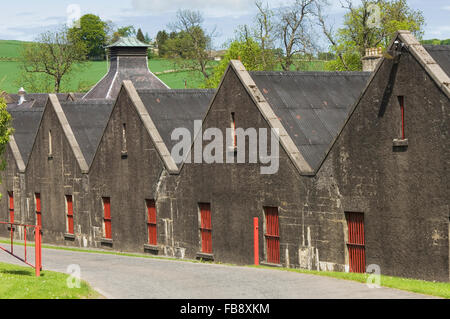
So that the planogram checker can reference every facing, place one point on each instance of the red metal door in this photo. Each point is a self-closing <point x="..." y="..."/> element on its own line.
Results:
<point x="38" y="210"/>
<point x="356" y="242"/>
<point x="206" y="228"/>
<point x="107" y="217"/>
<point x="151" y="222"/>
<point x="272" y="235"/>
<point x="69" y="214"/>
<point x="11" y="207"/>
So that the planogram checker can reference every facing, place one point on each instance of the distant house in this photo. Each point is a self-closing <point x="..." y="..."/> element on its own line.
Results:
<point x="217" y="55"/>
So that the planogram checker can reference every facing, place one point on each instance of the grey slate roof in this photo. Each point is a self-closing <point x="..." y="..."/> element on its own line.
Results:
<point x="25" y="121"/>
<point x="128" y="42"/>
<point x="88" y="120"/>
<point x="170" y="109"/>
<point x="312" y="106"/>
<point x="122" y="68"/>
<point x="34" y="99"/>
<point x="441" y="54"/>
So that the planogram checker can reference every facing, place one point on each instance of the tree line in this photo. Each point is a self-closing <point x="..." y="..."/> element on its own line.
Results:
<point x="277" y="39"/>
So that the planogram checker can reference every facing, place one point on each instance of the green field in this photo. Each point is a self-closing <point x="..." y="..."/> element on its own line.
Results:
<point x="18" y="282"/>
<point x="89" y="74"/>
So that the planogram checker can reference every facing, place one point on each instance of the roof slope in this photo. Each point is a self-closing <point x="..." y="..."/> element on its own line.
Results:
<point x="312" y="106"/>
<point x="33" y="99"/>
<point x="88" y="120"/>
<point x="25" y="121"/>
<point x="128" y="42"/>
<point x="441" y="54"/>
<point x="170" y="109"/>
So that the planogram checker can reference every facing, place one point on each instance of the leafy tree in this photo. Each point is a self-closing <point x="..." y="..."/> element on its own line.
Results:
<point x="265" y="33"/>
<point x="127" y="31"/>
<point x="54" y="54"/>
<point x="436" y="42"/>
<point x="140" y="36"/>
<point x="93" y="32"/>
<point x="5" y="130"/>
<point x="147" y="38"/>
<point x="161" y="39"/>
<point x="191" y="45"/>
<point x="247" y="50"/>
<point x="361" y="32"/>
<point x="295" y="31"/>
<point x="352" y="63"/>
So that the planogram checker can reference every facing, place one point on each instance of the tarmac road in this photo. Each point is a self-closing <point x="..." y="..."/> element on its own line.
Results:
<point x="152" y="278"/>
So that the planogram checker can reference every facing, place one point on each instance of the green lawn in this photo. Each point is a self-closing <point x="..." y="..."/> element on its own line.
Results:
<point x="88" y="75"/>
<point x="18" y="282"/>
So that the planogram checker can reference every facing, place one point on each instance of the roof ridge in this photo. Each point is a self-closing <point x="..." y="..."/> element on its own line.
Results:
<point x="312" y="73"/>
<point x="174" y="90"/>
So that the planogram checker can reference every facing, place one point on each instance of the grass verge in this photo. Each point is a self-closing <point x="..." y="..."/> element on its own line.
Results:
<point x="17" y="282"/>
<point x="437" y="289"/>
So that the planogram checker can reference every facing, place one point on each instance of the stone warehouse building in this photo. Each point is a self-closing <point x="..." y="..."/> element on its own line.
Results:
<point x="361" y="173"/>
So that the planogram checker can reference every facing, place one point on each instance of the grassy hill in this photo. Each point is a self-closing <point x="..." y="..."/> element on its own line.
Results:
<point x="89" y="74"/>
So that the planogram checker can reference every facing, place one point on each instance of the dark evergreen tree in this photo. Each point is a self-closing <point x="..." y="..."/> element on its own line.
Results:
<point x="140" y="35"/>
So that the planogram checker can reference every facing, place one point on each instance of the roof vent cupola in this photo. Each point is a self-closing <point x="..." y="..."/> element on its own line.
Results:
<point x="128" y="61"/>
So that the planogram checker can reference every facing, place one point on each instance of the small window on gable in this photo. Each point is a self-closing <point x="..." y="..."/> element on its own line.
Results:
<point x="233" y="129"/>
<point x="50" y="144"/>
<point x="124" y="141"/>
<point x="401" y="101"/>
<point x="124" y="137"/>
<point x="401" y="142"/>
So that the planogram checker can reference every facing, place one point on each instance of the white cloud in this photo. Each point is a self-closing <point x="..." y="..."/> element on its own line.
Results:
<point x="212" y="8"/>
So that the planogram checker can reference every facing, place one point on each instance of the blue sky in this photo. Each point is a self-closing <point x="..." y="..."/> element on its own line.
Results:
<point x="26" y="19"/>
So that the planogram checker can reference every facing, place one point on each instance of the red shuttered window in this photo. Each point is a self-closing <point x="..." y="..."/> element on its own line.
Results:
<point x="151" y="222"/>
<point x="272" y="235"/>
<point x="356" y="242"/>
<point x="37" y="201"/>
<point x="206" y="228"/>
<point x="11" y="206"/>
<point x="69" y="219"/>
<point x="107" y="218"/>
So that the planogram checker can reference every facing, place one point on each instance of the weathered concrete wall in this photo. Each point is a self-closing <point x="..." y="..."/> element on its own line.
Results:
<point x="54" y="177"/>
<point x="128" y="180"/>
<point x="11" y="179"/>
<point x="311" y="224"/>
<point x="402" y="191"/>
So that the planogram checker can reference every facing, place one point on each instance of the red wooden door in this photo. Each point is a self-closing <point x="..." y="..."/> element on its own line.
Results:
<point x="272" y="235"/>
<point x="107" y="217"/>
<point x="151" y="222"/>
<point x="356" y="242"/>
<point x="206" y="228"/>
<point x="11" y="207"/>
<point x="69" y="214"/>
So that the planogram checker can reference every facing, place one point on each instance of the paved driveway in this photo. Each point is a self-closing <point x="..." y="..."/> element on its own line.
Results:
<point x="134" y="277"/>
